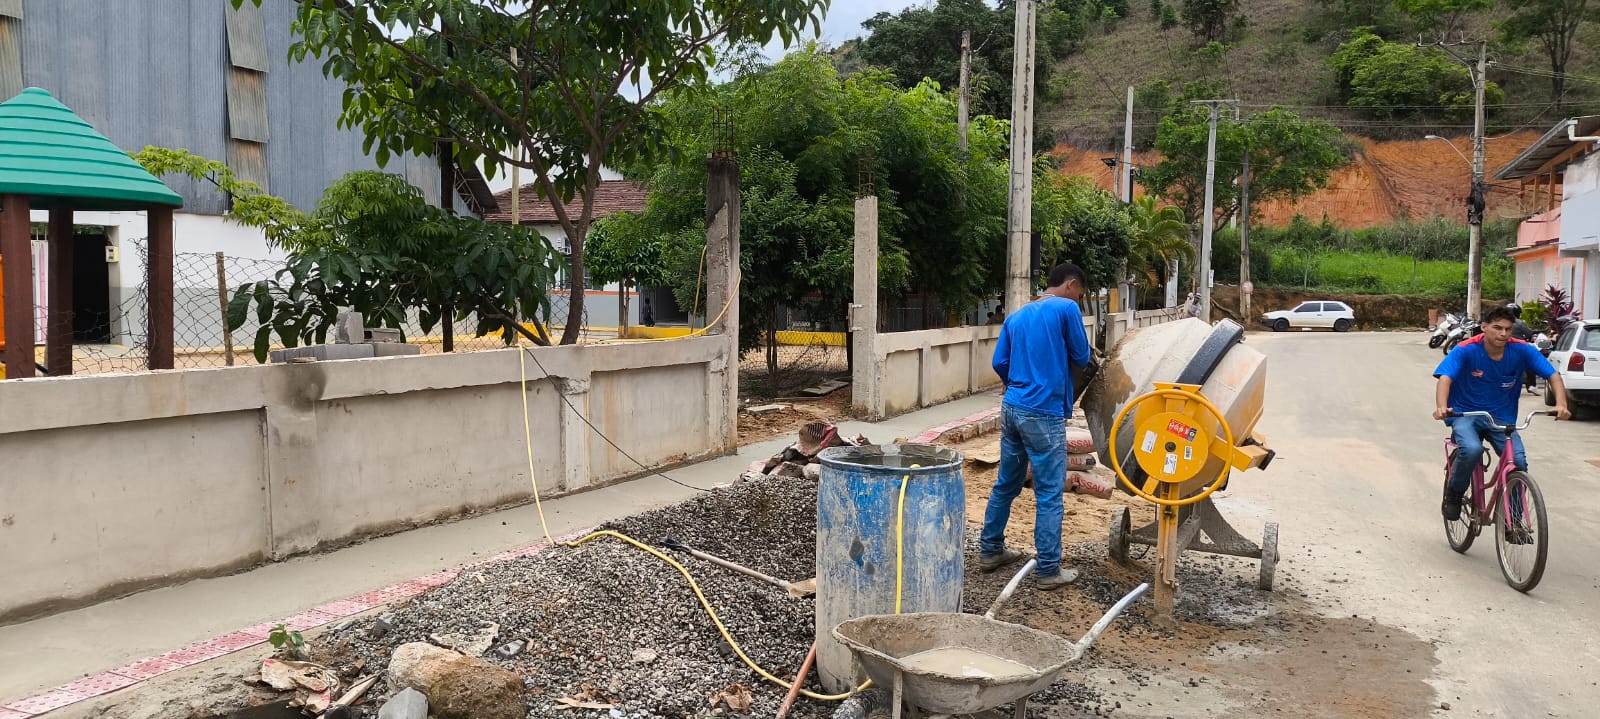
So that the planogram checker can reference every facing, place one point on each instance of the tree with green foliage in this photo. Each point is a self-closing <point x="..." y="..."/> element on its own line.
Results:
<point x="1210" y="20"/>
<point x="1395" y="79"/>
<point x="1553" y="25"/>
<point x="1289" y="157"/>
<point x="1080" y="223"/>
<point x="252" y="207"/>
<point x="375" y="245"/>
<point x="925" y="42"/>
<point x="549" y="87"/>
<point x="1160" y="239"/>
<point x="1439" y="18"/>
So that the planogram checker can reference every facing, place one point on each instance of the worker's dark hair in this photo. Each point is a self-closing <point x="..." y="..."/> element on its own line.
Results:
<point x="1501" y="313"/>
<point x="1067" y="271"/>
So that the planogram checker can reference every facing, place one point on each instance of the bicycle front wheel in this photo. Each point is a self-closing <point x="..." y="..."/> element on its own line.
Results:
<point x="1461" y="531"/>
<point x="1521" y="534"/>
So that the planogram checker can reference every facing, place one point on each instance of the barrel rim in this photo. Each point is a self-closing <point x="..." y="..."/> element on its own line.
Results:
<point x="832" y="457"/>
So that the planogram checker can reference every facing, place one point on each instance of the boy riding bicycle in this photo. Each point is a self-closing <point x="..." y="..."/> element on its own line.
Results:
<point x="1487" y="377"/>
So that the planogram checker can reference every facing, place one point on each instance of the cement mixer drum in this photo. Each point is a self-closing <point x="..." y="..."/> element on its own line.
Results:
<point x="1230" y="374"/>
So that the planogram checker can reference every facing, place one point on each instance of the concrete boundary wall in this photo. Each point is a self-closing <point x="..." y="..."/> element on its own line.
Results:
<point x="114" y="483"/>
<point x="924" y="368"/>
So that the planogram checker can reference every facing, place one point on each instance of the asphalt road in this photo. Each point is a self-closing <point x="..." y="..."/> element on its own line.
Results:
<point x="1356" y="489"/>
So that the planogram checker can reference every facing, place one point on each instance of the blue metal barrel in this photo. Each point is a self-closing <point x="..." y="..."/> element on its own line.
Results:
<point x="857" y="507"/>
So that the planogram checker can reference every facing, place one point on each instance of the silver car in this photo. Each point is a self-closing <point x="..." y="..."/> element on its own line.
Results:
<point x="1319" y="314"/>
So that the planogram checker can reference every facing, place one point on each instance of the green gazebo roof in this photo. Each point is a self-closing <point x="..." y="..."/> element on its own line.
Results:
<point x="51" y="155"/>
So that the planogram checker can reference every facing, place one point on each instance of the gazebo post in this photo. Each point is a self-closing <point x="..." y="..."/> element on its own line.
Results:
<point x="58" y="339"/>
<point x="158" y="320"/>
<point x="18" y="285"/>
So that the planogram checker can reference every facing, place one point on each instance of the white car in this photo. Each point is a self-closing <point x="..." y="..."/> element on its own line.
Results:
<point x="1327" y="314"/>
<point x="1576" y="358"/>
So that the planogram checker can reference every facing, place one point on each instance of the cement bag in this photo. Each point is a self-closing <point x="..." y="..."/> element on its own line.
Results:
<point x="1081" y="461"/>
<point x="1079" y="441"/>
<point x="1093" y="483"/>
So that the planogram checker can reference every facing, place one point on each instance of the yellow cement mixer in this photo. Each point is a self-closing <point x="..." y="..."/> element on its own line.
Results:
<point x="1173" y="411"/>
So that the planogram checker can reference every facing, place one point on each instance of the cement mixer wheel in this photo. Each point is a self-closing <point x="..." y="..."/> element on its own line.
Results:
<point x="1117" y="547"/>
<point x="1269" y="556"/>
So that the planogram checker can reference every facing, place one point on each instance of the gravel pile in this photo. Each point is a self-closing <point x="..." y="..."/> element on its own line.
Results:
<point x="608" y="623"/>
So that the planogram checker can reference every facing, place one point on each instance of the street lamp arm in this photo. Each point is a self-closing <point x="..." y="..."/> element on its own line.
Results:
<point x="1452" y="145"/>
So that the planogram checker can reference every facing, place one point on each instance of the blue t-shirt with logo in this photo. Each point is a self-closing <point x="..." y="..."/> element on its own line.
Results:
<point x="1037" y="343"/>
<point x="1480" y="384"/>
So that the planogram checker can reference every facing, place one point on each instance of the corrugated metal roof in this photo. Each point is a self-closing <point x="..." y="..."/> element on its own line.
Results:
<point x="247" y="105"/>
<point x="10" y="56"/>
<point x="1552" y="143"/>
<point x="247" y="37"/>
<point x="52" y="155"/>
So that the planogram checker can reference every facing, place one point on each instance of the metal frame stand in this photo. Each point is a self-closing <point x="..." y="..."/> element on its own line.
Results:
<point x="1197" y="527"/>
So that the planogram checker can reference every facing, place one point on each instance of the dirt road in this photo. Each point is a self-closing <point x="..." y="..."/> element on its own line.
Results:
<point x="1356" y="490"/>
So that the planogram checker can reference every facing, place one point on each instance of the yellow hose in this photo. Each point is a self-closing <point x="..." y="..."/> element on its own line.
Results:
<point x="900" y="543"/>
<point x="527" y="436"/>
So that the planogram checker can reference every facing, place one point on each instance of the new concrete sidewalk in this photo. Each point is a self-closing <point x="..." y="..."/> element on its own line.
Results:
<point x="51" y="651"/>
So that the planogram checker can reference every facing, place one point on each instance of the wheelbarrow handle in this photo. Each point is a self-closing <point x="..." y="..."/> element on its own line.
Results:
<point x="1011" y="588"/>
<point x="1116" y="610"/>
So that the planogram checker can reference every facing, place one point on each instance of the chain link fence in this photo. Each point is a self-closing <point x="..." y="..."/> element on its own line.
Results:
<point x="203" y="283"/>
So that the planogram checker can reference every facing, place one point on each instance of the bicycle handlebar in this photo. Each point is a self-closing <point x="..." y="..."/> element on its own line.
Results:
<point x="1512" y="427"/>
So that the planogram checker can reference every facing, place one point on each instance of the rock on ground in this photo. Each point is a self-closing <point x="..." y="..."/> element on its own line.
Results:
<point x="457" y="686"/>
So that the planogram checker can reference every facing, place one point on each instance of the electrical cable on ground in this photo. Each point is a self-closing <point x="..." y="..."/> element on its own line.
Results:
<point x="527" y="438"/>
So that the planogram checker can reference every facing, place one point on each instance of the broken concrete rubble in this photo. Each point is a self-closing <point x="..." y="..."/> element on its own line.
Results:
<point x="408" y="704"/>
<point x="457" y="686"/>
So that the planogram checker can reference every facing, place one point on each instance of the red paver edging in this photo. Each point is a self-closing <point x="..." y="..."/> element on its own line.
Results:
<point x="932" y="435"/>
<point x="96" y="685"/>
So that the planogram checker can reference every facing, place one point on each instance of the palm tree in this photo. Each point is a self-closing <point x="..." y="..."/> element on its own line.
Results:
<point x="1160" y="238"/>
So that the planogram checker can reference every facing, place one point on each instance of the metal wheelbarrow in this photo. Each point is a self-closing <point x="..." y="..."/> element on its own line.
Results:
<point x="949" y="664"/>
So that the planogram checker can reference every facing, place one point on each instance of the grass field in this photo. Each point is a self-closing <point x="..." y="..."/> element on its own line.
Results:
<point x="1377" y="273"/>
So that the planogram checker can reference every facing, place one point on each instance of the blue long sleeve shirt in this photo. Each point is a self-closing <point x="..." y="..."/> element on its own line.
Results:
<point x="1037" y="343"/>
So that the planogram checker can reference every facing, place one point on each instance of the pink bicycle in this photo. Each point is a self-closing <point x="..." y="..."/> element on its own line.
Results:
<point x="1510" y="502"/>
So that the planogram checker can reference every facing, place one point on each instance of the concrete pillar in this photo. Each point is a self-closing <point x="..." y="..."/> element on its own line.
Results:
<point x="866" y="391"/>
<point x="16" y="254"/>
<point x="575" y="432"/>
<point x="722" y="280"/>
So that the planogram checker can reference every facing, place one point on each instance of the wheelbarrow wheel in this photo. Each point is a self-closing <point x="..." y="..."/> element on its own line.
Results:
<point x="1269" y="556"/>
<point x="1117" y="547"/>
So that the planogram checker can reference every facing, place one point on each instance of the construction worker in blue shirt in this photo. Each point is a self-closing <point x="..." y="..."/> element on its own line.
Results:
<point x="1038" y="342"/>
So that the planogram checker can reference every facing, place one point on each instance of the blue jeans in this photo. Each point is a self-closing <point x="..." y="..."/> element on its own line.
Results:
<point x="1029" y="437"/>
<point x="1469" y="433"/>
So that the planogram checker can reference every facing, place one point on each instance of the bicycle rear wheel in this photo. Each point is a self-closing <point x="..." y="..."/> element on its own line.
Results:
<point x="1522" y="543"/>
<point x="1460" y="532"/>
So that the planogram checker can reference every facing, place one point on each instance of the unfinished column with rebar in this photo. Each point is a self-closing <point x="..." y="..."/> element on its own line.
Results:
<point x="722" y="265"/>
<point x="866" y="364"/>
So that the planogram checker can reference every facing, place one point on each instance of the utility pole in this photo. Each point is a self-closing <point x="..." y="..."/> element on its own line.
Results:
<point x="966" y="74"/>
<point x="1127" y="151"/>
<point x="1019" y="276"/>
<point x="1475" y="200"/>
<point x="1478" y="194"/>
<point x="1245" y="288"/>
<point x="1207" y="221"/>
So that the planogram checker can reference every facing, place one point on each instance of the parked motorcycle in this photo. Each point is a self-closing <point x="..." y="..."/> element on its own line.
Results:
<point x="1468" y="329"/>
<point x="1442" y="330"/>
<point x="1544" y="343"/>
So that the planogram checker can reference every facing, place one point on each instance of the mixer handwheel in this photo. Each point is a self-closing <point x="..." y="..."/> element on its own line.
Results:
<point x="1269" y="556"/>
<point x="1117" y="547"/>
